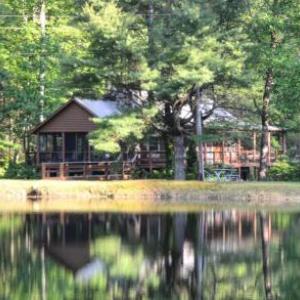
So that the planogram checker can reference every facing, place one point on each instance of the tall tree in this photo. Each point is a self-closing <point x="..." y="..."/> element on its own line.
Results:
<point x="32" y="77"/>
<point x="271" y="28"/>
<point x="181" y="52"/>
<point x="192" y="55"/>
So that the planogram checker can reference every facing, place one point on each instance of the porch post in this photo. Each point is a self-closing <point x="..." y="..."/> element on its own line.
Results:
<point x="63" y="158"/>
<point x="62" y="170"/>
<point x="254" y="146"/>
<point x="223" y="154"/>
<point x="89" y="151"/>
<point x="269" y="147"/>
<point x="284" y="146"/>
<point x="38" y="149"/>
<point x="239" y="151"/>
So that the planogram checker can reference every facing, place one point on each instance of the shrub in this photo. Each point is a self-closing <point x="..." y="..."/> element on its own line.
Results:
<point x="284" y="170"/>
<point x="160" y="174"/>
<point x="155" y="174"/>
<point x="20" y="171"/>
<point x="3" y="168"/>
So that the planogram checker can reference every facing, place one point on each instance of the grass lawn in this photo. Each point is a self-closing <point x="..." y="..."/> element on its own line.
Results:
<point x="142" y="193"/>
<point x="98" y="189"/>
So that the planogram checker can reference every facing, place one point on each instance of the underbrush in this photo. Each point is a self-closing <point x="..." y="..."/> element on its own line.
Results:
<point x="284" y="170"/>
<point x="19" y="171"/>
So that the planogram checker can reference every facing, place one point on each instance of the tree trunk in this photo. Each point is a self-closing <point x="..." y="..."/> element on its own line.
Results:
<point x="150" y="12"/>
<point x="168" y="153"/>
<point x="179" y="162"/>
<point x="25" y="147"/>
<point x="264" y="228"/>
<point x="42" y="20"/>
<point x="264" y="147"/>
<point x="199" y="133"/>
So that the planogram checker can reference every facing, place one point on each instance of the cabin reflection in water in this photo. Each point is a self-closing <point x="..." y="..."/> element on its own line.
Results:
<point x="129" y="249"/>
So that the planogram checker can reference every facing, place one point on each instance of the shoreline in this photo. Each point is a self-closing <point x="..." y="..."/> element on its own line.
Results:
<point x="144" y="195"/>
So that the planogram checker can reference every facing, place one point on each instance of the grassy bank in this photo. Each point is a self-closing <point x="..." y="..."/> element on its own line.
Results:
<point x="130" y="189"/>
<point x="144" y="195"/>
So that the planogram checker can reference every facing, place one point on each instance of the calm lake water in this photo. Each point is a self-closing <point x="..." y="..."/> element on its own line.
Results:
<point x="213" y="254"/>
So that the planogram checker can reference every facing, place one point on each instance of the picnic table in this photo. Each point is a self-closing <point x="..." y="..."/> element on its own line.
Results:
<point x="223" y="174"/>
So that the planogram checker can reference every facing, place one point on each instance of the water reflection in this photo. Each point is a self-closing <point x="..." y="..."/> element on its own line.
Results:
<point x="207" y="255"/>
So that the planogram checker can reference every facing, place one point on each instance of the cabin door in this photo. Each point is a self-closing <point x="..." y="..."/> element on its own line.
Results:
<point x="76" y="146"/>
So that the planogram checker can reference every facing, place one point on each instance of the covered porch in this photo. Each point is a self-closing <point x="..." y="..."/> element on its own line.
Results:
<point x="64" y="147"/>
<point x="68" y="155"/>
<point x="63" y="150"/>
<point x="244" y="151"/>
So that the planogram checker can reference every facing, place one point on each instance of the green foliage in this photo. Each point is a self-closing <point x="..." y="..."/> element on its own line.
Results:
<point x="159" y="174"/>
<point x="271" y="44"/>
<point x="125" y="130"/>
<point x="94" y="47"/>
<point x="207" y="138"/>
<point x="285" y="170"/>
<point x="20" y="171"/>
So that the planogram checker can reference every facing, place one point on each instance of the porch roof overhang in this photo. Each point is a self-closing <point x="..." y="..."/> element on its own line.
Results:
<point x="223" y="119"/>
<point x="241" y="126"/>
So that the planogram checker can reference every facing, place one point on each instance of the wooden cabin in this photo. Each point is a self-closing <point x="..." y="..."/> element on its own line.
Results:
<point x="243" y="154"/>
<point x="63" y="150"/>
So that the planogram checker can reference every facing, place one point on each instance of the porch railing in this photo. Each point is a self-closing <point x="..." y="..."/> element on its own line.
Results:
<point x="243" y="157"/>
<point x="143" y="158"/>
<point x="98" y="170"/>
<point x="151" y="160"/>
<point x="68" y="157"/>
<point x="50" y="157"/>
<point x="79" y="164"/>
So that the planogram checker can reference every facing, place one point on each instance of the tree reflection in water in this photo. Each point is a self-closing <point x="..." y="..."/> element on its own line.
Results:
<point x="205" y="255"/>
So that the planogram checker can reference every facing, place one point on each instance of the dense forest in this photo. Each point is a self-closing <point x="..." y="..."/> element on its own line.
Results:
<point x="243" y="53"/>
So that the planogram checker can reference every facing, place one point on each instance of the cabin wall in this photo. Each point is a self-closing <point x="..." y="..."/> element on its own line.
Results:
<point x="71" y="119"/>
<point x="153" y="144"/>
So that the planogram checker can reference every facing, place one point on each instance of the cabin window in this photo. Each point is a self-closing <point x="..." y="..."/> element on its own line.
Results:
<point x="76" y="146"/>
<point x="50" y="147"/>
<point x="154" y="144"/>
<point x="43" y="143"/>
<point x="81" y="143"/>
<point x="50" y="142"/>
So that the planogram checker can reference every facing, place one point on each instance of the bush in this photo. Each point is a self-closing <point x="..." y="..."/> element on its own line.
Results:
<point x="20" y="171"/>
<point x="155" y="174"/>
<point x="161" y="174"/>
<point x="284" y="170"/>
<point x="2" y="171"/>
<point x="3" y="168"/>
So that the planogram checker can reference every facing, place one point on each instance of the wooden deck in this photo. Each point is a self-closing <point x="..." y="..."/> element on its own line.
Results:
<point x="103" y="170"/>
<point x="235" y="159"/>
<point x="150" y="160"/>
<point x="87" y="170"/>
<point x="147" y="161"/>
